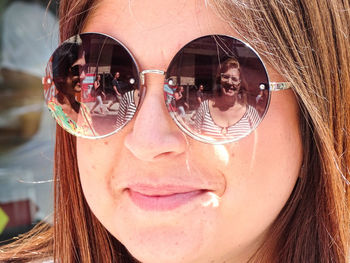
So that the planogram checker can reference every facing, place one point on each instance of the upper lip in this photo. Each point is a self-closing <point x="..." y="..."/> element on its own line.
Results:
<point x="231" y="88"/>
<point x="169" y="180"/>
<point x="162" y="190"/>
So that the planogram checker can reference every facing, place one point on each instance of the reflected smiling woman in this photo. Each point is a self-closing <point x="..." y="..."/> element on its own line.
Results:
<point x="227" y="115"/>
<point x="155" y="190"/>
<point x="68" y="73"/>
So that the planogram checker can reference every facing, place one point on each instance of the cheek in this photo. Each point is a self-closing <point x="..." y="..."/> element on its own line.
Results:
<point x="263" y="167"/>
<point x="68" y="82"/>
<point x="96" y="160"/>
<point x="90" y="164"/>
<point x="75" y="80"/>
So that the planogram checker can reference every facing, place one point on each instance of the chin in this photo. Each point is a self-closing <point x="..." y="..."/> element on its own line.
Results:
<point x="77" y="89"/>
<point x="164" y="246"/>
<point x="156" y="239"/>
<point x="229" y="94"/>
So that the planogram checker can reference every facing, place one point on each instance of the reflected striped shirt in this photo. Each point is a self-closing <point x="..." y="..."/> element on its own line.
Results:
<point x="205" y="125"/>
<point x="127" y="109"/>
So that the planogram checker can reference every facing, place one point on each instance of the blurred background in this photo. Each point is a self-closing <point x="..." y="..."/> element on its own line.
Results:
<point x="28" y="36"/>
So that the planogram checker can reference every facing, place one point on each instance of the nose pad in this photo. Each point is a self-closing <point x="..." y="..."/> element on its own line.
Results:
<point x="154" y="135"/>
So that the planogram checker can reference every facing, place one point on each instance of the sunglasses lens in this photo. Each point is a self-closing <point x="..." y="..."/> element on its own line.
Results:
<point x="217" y="89"/>
<point x="91" y="85"/>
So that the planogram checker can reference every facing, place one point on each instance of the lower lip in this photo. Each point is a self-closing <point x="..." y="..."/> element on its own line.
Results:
<point x="163" y="202"/>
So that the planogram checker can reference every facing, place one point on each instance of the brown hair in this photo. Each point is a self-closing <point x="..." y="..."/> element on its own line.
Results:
<point x="228" y="64"/>
<point x="308" y="41"/>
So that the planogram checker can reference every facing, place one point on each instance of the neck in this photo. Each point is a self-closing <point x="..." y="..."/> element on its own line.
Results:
<point x="224" y="102"/>
<point x="68" y="100"/>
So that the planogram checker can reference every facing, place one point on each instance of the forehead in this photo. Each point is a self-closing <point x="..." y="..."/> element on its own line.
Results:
<point x="232" y="71"/>
<point x="154" y="33"/>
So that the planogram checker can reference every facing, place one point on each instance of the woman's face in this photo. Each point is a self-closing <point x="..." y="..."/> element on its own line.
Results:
<point x="165" y="196"/>
<point x="76" y="75"/>
<point x="230" y="81"/>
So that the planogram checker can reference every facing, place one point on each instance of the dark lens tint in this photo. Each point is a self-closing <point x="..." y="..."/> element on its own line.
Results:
<point x="235" y="93"/>
<point x="92" y="85"/>
<point x="76" y="70"/>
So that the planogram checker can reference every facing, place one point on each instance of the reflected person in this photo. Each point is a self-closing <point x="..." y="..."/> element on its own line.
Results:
<point x="117" y="91"/>
<point x="227" y="114"/>
<point x="98" y="93"/>
<point x="68" y="70"/>
<point x="180" y="101"/>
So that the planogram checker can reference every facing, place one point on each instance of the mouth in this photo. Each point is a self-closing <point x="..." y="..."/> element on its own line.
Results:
<point x="163" y="198"/>
<point x="77" y="86"/>
<point x="230" y="88"/>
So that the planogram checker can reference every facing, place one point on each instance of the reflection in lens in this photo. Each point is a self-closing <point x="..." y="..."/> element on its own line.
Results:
<point x="217" y="89"/>
<point x="95" y="82"/>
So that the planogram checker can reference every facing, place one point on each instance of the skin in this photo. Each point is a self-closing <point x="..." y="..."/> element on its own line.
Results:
<point x="178" y="95"/>
<point x="97" y="82"/>
<point x="230" y="83"/>
<point x="249" y="180"/>
<point x="201" y="88"/>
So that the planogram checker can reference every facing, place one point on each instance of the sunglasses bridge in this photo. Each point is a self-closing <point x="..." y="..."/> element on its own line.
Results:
<point x="150" y="71"/>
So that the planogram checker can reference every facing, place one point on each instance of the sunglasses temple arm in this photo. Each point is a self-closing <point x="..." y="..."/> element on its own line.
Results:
<point x="277" y="86"/>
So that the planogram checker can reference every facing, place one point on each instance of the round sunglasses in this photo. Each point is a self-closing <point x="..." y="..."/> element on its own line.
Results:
<point x="216" y="88"/>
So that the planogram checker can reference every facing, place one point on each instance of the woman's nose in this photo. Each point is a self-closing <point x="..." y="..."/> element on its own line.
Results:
<point x="154" y="135"/>
<point x="82" y="75"/>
